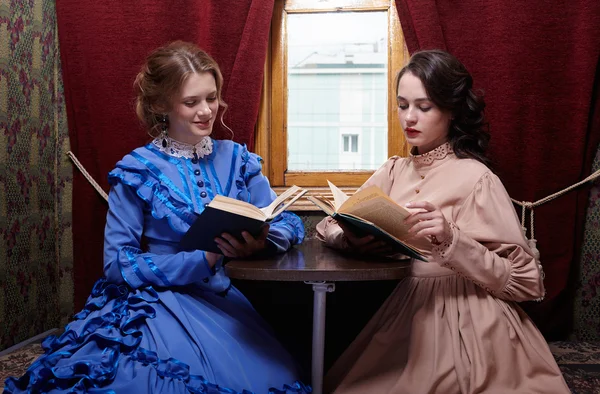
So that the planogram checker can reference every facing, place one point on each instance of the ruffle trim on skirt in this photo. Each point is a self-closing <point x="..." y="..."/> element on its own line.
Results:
<point x="114" y="337"/>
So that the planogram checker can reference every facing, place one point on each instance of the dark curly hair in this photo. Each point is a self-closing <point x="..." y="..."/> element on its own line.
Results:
<point x="450" y="86"/>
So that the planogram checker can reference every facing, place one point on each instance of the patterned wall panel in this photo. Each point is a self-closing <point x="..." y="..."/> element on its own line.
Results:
<point x="587" y="298"/>
<point x="36" y="289"/>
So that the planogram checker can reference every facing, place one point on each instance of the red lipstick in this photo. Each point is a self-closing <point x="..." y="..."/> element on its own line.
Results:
<point x="411" y="133"/>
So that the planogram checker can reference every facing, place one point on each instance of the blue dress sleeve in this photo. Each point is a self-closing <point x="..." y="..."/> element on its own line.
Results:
<point x="287" y="228"/>
<point x="124" y="260"/>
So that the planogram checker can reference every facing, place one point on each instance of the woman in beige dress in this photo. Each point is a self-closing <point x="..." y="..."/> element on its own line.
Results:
<point x="452" y="326"/>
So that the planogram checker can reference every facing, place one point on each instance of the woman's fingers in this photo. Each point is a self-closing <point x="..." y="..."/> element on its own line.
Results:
<point x="347" y="232"/>
<point x="430" y="221"/>
<point x="265" y="232"/>
<point x="233" y="241"/>
<point x="421" y="216"/>
<point x="426" y="205"/>
<point x="434" y="223"/>
<point x="355" y="240"/>
<point x="233" y="247"/>
<point x="226" y="248"/>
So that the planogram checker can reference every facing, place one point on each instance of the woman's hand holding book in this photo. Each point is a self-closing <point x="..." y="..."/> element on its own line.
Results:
<point x="235" y="248"/>
<point x="365" y="245"/>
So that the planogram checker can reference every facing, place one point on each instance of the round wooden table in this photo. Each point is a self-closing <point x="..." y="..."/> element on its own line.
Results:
<point x="315" y="264"/>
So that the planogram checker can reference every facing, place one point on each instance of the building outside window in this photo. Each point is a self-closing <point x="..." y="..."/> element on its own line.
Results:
<point x="337" y="85"/>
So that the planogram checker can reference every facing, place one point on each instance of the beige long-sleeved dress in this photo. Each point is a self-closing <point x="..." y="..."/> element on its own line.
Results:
<point x="453" y="325"/>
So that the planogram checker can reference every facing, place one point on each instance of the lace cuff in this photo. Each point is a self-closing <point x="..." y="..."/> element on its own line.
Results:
<point x="442" y="250"/>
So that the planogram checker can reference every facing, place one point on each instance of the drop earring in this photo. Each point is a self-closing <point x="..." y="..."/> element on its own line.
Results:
<point x="195" y="159"/>
<point x="164" y="130"/>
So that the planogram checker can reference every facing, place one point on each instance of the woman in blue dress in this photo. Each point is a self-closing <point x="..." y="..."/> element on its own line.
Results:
<point x="161" y="320"/>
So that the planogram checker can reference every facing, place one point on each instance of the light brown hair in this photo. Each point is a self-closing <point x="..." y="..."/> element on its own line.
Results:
<point x="162" y="75"/>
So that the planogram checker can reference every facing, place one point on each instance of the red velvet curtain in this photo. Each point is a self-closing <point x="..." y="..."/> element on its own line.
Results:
<point x="103" y="45"/>
<point x="538" y="65"/>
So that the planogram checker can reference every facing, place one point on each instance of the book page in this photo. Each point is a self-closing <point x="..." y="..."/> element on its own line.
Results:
<point x="323" y="203"/>
<point x="268" y="210"/>
<point x="299" y="193"/>
<point x="236" y="206"/>
<point x="375" y="206"/>
<point x="339" y="197"/>
<point x="361" y="196"/>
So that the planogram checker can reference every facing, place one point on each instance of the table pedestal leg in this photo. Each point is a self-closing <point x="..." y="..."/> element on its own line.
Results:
<point x="318" y="335"/>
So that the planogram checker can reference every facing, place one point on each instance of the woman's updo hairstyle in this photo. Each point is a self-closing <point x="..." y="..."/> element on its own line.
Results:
<point x="162" y="75"/>
<point x="450" y="86"/>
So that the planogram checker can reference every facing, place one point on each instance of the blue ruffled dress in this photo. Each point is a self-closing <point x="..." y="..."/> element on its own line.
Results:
<point x="162" y="321"/>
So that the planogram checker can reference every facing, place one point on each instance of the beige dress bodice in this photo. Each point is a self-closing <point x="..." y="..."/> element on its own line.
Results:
<point x="453" y="326"/>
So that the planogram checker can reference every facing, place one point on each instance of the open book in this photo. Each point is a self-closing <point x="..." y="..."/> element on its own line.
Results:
<point x="370" y="212"/>
<point x="228" y="215"/>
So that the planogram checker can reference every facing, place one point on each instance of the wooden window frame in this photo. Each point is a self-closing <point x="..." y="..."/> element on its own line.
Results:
<point x="271" y="128"/>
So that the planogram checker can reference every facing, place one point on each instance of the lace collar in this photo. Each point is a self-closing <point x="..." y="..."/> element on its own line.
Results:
<point x="438" y="153"/>
<point x="181" y="149"/>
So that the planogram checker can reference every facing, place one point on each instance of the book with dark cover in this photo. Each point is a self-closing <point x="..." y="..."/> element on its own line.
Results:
<point x="228" y="215"/>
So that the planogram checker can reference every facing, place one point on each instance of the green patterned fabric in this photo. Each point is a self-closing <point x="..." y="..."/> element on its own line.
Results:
<point x="35" y="175"/>
<point x="587" y="299"/>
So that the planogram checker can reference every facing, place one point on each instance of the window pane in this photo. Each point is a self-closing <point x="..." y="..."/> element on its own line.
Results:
<point x="355" y="143"/>
<point x="337" y="87"/>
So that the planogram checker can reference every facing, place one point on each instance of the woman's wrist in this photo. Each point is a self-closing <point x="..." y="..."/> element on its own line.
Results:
<point x="212" y="258"/>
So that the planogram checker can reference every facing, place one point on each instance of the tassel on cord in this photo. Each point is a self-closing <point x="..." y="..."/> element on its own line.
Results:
<point x="525" y="205"/>
<point x="528" y="205"/>
<point x="531" y="242"/>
